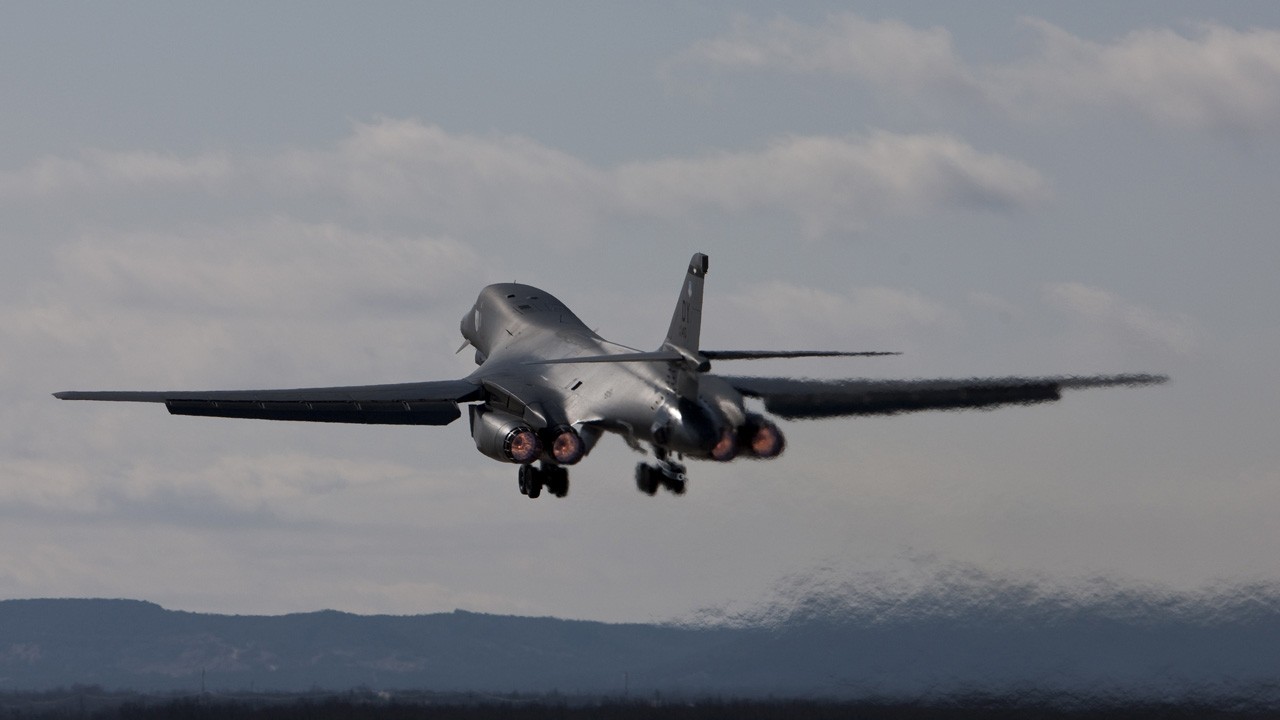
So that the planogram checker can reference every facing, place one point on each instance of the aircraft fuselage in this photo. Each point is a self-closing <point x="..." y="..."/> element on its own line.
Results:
<point x="512" y="327"/>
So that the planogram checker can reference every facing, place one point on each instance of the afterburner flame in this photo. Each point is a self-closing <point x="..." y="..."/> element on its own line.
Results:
<point x="566" y="446"/>
<point x="522" y="446"/>
<point x="725" y="448"/>
<point x="767" y="441"/>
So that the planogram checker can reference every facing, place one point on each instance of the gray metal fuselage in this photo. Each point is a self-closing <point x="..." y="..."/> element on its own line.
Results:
<point x="513" y="327"/>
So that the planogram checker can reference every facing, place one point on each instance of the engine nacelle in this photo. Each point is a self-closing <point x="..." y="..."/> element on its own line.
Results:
<point x="760" y="438"/>
<point x="504" y="437"/>
<point x="565" y="445"/>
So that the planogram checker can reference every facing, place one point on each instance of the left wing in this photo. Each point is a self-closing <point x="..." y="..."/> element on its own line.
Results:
<point x="420" y="403"/>
<point x="804" y="398"/>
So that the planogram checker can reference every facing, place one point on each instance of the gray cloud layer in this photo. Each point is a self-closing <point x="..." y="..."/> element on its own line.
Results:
<point x="1210" y="76"/>
<point x="404" y="168"/>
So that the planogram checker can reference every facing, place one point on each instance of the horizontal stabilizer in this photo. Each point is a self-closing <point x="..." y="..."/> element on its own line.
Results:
<point x="672" y="355"/>
<point x="766" y="354"/>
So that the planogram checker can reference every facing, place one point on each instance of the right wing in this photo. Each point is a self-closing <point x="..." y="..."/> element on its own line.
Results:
<point x="793" y="398"/>
<point x="420" y="403"/>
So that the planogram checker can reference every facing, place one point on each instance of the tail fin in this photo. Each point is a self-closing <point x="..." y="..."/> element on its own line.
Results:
<point x="686" y="321"/>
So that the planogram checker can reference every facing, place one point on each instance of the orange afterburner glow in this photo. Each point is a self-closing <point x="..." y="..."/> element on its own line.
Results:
<point x="522" y="446"/>
<point x="725" y="448"/>
<point x="566" y="446"/>
<point x="767" y="441"/>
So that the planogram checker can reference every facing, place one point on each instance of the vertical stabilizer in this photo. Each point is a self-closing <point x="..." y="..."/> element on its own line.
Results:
<point x="686" y="321"/>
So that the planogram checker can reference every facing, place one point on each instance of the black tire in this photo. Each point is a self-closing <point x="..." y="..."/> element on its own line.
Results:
<point x="646" y="480"/>
<point x="530" y="481"/>
<point x="560" y="487"/>
<point x="535" y="482"/>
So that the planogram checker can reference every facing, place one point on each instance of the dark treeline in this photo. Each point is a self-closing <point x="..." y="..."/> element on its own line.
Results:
<point x="92" y="702"/>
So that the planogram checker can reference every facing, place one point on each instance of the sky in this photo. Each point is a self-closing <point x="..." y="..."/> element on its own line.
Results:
<point x="250" y="195"/>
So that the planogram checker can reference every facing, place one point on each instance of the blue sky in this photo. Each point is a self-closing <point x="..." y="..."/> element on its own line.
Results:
<point x="276" y="195"/>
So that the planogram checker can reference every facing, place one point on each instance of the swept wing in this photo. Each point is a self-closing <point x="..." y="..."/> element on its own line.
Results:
<point x="793" y="398"/>
<point x="419" y="403"/>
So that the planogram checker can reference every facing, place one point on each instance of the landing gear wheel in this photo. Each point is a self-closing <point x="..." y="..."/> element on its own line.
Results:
<point x="556" y="479"/>
<point x="530" y="481"/>
<point x="647" y="478"/>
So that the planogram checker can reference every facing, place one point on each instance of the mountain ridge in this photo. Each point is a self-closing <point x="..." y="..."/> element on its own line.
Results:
<point x="842" y="639"/>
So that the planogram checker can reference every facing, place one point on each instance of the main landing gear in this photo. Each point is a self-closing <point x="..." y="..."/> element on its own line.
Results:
<point x="553" y="477"/>
<point x="663" y="474"/>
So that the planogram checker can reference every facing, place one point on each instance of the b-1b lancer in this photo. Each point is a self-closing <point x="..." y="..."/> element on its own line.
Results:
<point x="547" y="389"/>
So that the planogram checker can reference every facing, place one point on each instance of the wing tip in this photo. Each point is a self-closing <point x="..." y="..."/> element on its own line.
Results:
<point x="1126" y="380"/>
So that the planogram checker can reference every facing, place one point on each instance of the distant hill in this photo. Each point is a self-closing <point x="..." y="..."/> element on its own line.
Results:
<point x="835" y="641"/>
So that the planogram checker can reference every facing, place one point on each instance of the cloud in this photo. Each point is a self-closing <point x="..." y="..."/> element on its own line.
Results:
<point x="280" y="483"/>
<point x="833" y="183"/>
<point x="1209" y="77"/>
<point x="794" y="313"/>
<point x="995" y="305"/>
<point x="887" y="52"/>
<point x="827" y="183"/>
<point x="50" y="484"/>
<point x="43" y="566"/>
<point x="460" y="182"/>
<point x="1101" y="310"/>
<point x="228" y="303"/>
<point x="98" y="171"/>
<point x="227" y="489"/>
<point x="1214" y="77"/>
<point x="275" y="265"/>
<point x="509" y="188"/>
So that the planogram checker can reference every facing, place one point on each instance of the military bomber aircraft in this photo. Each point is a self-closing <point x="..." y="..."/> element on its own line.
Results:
<point x="547" y="388"/>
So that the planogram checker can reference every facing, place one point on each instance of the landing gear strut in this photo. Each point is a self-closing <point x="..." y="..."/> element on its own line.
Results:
<point x="663" y="474"/>
<point x="553" y="477"/>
